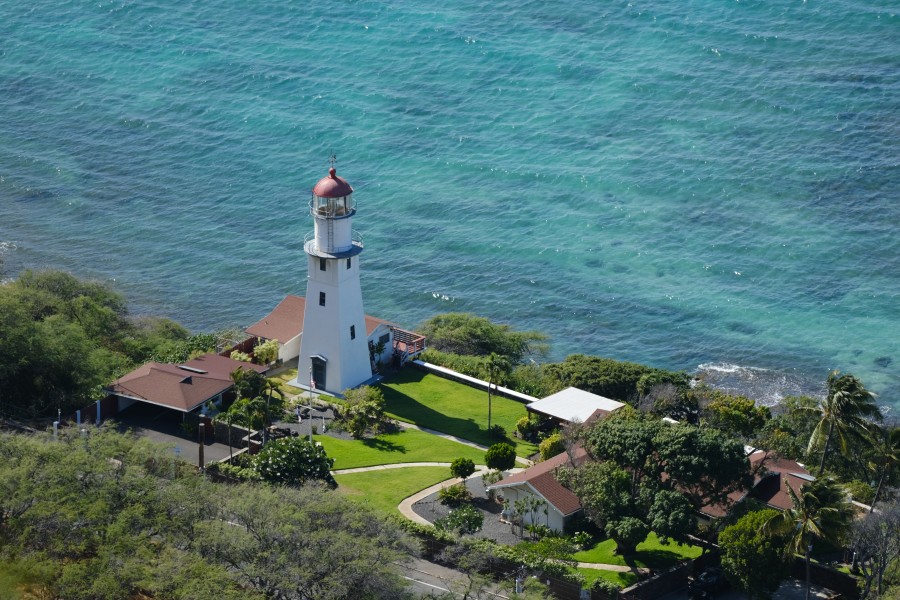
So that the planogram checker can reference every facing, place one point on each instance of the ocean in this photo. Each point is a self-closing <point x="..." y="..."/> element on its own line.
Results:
<point x="692" y="184"/>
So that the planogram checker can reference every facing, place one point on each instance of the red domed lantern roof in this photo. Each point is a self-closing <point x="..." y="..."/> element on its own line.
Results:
<point x="332" y="186"/>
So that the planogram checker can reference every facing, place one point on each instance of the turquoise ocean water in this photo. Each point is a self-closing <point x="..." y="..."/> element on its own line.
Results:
<point x="690" y="184"/>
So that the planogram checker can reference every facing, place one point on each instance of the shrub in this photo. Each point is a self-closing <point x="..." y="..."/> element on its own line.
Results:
<point x="527" y="426"/>
<point x="861" y="491"/>
<point x="462" y="467"/>
<point x="455" y="495"/>
<point x="465" y="519"/>
<point x="491" y="477"/>
<point x="604" y="585"/>
<point x="583" y="540"/>
<point x="294" y="461"/>
<point x="500" y="457"/>
<point x="241" y="356"/>
<point x="551" y="446"/>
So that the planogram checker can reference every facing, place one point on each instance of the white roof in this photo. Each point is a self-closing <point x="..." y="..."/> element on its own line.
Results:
<point x="572" y="404"/>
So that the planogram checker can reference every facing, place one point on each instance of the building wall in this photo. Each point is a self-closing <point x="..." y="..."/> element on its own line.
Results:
<point x="290" y="350"/>
<point x="553" y="519"/>
<point x="327" y="329"/>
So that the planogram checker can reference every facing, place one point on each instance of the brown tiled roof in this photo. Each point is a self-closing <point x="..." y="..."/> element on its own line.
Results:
<point x="372" y="324"/>
<point x="771" y="478"/>
<point x="222" y="366"/>
<point x="175" y="387"/>
<point x="540" y="478"/>
<point x="284" y="323"/>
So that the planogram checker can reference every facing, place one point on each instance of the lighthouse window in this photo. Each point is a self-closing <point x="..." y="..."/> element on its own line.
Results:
<point x="348" y="262"/>
<point x="353" y="332"/>
<point x="321" y="298"/>
<point x="322" y="264"/>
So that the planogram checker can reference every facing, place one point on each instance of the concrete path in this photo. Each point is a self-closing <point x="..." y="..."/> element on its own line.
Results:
<point x="447" y="436"/>
<point x="405" y="507"/>
<point x="392" y="466"/>
<point x="617" y="568"/>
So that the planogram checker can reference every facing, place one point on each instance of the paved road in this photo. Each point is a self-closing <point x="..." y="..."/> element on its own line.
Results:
<point x="430" y="580"/>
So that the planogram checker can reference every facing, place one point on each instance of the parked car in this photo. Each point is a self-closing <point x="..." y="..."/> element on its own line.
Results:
<point x="710" y="582"/>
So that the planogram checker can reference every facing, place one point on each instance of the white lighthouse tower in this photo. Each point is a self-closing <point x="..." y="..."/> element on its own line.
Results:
<point x="334" y="349"/>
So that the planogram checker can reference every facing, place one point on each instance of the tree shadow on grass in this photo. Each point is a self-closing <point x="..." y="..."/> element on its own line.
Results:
<point x="410" y="409"/>
<point x="383" y="445"/>
<point x="655" y="559"/>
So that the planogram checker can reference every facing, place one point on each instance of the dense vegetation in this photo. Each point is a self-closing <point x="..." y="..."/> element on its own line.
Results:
<point x="108" y="516"/>
<point x="63" y="339"/>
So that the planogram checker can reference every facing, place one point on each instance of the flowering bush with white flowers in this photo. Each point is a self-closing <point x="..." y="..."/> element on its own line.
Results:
<point x="294" y="461"/>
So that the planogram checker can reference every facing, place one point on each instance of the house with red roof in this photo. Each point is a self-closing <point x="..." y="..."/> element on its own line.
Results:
<point x="182" y="388"/>
<point x="772" y="477"/>
<point x="560" y="504"/>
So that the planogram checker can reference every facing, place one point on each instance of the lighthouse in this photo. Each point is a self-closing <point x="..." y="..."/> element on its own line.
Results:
<point x="334" y="351"/>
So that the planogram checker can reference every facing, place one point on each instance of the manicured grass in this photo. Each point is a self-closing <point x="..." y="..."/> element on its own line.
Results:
<point x="622" y="580"/>
<point x="450" y="407"/>
<point x="650" y="553"/>
<point x="383" y="490"/>
<point x="408" y="445"/>
<point x="284" y="377"/>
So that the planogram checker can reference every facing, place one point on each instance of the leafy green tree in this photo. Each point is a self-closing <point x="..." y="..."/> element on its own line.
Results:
<point x="652" y="476"/>
<point x="364" y="411"/>
<point x="846" y="412"/>
<point x="737" y="416"/>
<point x="604" y="376"/>
<point x="500" y="457"/>
<point x="821" y="511"/>
<point x="788" y="431"/>
<point x="462" y="468"/>
<point x="496" y="368"/>
<point x="753" y="561"/>
<point x="294" y="461"/>
<point x="464" y="333"/>
<point x="110" y="516"/>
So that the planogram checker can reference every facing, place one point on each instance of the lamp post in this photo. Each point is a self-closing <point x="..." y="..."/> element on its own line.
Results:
<point x="311" y="383"/>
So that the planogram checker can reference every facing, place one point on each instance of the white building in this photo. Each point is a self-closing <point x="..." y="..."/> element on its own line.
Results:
<point x="334" y="349"/>
<point x="285" y="325"/>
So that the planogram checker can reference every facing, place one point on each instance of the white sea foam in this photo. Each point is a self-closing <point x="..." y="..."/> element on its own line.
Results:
<point x="766" y="386"/>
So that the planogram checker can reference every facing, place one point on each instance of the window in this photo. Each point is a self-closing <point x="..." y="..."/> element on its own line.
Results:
<point x="321" y="298"/>
<point x="384" y="339"/>
<point x="353" y="332"/>
<point x="348" y="262"/>
<point x="322" y="264"/>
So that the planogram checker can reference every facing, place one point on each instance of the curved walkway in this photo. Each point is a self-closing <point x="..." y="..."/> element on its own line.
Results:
<point x="447" y="436"/>
<point x="392" y="466"/>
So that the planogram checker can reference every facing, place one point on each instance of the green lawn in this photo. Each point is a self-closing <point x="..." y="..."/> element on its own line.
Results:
<point x="450" y="407"/>
<point x="284" y="377"/>
<point x="383" y="490"/>
<point x="622" y="580"/>
<point x="409" y="445"/>
<point x="650" y="553"/>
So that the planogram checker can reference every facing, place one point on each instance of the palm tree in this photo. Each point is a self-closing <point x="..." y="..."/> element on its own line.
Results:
<point x="845" y="412"/>
<point x="497" y="368"/>
<point x="820" y="511"/>
<point x="885" y="455"/>
<point x="270" y="387"/>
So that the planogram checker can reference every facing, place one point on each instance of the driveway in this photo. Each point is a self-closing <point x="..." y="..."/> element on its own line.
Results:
<point x="163" y="425"/>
